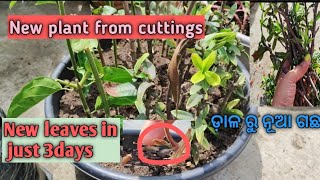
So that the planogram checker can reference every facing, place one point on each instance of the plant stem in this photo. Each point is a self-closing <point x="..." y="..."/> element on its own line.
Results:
<point x="134" y="13"/>
<point x="85" y="106"/>
<point x="114" y="42"/>
<point x="74" y="63"/>
<point x="101" y="55"/>
<point x="132" y="42"/>
<point x="98" y="83"/>
<point x="67" y="83"/>
<point x="192" y="3"/>
<point x="149" y="42"/>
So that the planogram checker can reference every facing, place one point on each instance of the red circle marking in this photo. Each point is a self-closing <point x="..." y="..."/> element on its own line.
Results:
<point x="163" y="162"/>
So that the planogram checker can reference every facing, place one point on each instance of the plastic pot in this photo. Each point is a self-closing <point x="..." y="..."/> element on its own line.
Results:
<point x="96" y="171"/>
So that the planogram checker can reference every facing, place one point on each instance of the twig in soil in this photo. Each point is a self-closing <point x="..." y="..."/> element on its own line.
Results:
<point x="305" y="98"/>
<point x="85" y="106"/>
<point x="314" y="87"/>
<point x="134" y="13"/>
<point x="315" y="11"/>
<point x="126" y="159"/>
<point x="114" y="42"/>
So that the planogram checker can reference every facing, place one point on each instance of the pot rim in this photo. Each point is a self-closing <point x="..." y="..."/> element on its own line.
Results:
<point x="96" y="171"/>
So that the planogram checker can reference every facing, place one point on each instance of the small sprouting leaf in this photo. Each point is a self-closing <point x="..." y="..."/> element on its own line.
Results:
<point x="149" y="69"/>
<point x="98" y="104"/>
<point x="139" y="62"/>
<point x="197" y="77"/>
<point x="31" y="94"/>
<point x="205" y="144"/>
<point x="171" y="43"/>
<point x="182" y="115"/>
<point x="212" y="78"/>
<point x="241" y="80"/>
<point x="139" y="102"/>
<point x="195" y="88"/>
<point x="79" y="45"/>
<point x="235" y="112"/>
<point x="117" y="75"/>
<point x="193" y="100"/>
<point x="204" y="10"/>
<point x="233" y="103"/>
<point x="209" y="61"/>
<point x="108" y="10"/>
<point x="232" y="10"/>
<point x="196" y="60"/>
<point x="122" y="101"/>
<point x="126" y="89"/>
<point x="195" y="153"/>
<point x="12" y="3"/>
<point x="45" y="2"/>
<point x="200" y="133"/>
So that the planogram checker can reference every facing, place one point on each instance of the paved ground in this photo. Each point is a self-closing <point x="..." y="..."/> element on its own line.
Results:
<point x="288" y="154"/>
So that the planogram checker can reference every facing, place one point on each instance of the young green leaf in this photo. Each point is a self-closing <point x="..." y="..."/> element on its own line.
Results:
<point x="200" y="135"/>
<point x="195" y="88"/>
<point x="45" y="2"/>
<point x="122" y="101"/>
<point x="204" y="10"/>
<point x="212" y="78"/>
<point x="233" y="103"/>
<point x="139" y="62"/>
<point x="241" y="80"/>
<point x="197" y="77"/>
<point x="209" y="61"/>
<point x="194" y="100"/>
<point x="182" y="115"/>
<point x="79" y="45"/>
<point x="116" y="75"/>
<point x="149" y="69"/>
<point x="108" y="10"/>
<point x="98" y="104"/>
<point x="197" y="61"/>
<point x="12" y="3"/>
<point x="139" y="102"/>
<point x="232" y="10"/>
<point x="235" y="112"/>
<point x="31" y="94"/>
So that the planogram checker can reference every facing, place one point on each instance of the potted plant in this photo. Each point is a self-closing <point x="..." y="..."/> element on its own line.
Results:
<point x="292" y="26"/>
<point x="155" y="79"/>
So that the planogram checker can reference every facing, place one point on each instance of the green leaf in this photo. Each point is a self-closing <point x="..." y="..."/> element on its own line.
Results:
<point x="126" y="89"/>
<point x="98" y="104"/>
<point x="108" y="10"/>
<point x="235" y="112"/>
<point x="195" y="88"/>
<point x="200" y="136"/>
<point x="31" y="94"/>
<point x="12" y="3"/>
<point x="45" y="2"/>
<point x="205" y="144"/>
<point x="182" y="115"/>
<point x="193" y="100"/>
<point x="241" y="80"/>
<point x="117" y="75"/>
<point x="212" y="78"/>
<point x="79" y="45"/>
<point x="196" y="60"/>
<point x="197" y="77"/>
<point x="171" y="43"/>
<point x="195" y="153"/>
<point x="209" y="61"/>
<point x="233" y="103"/>
<point x="139" y="62"/>
<point x="232" y="10"/>
<point x="122" y="101"/>
<point x="141" y="91"/>
<point x="204" y="10"/>
<point x="149" y="69"/>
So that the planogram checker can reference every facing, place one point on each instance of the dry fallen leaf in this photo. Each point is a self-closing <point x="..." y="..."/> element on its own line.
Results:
<point x="161" y="142"/>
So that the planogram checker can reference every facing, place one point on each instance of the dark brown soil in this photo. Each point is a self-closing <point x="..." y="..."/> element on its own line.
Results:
<point x="70" y="107"/>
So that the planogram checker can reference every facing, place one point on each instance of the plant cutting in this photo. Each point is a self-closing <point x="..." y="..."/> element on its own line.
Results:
<point x="165" y="80"/>
<point x="292" y="26"/>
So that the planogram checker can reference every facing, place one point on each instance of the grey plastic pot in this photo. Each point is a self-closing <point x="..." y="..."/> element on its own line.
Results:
<point x="95" y="171"/>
